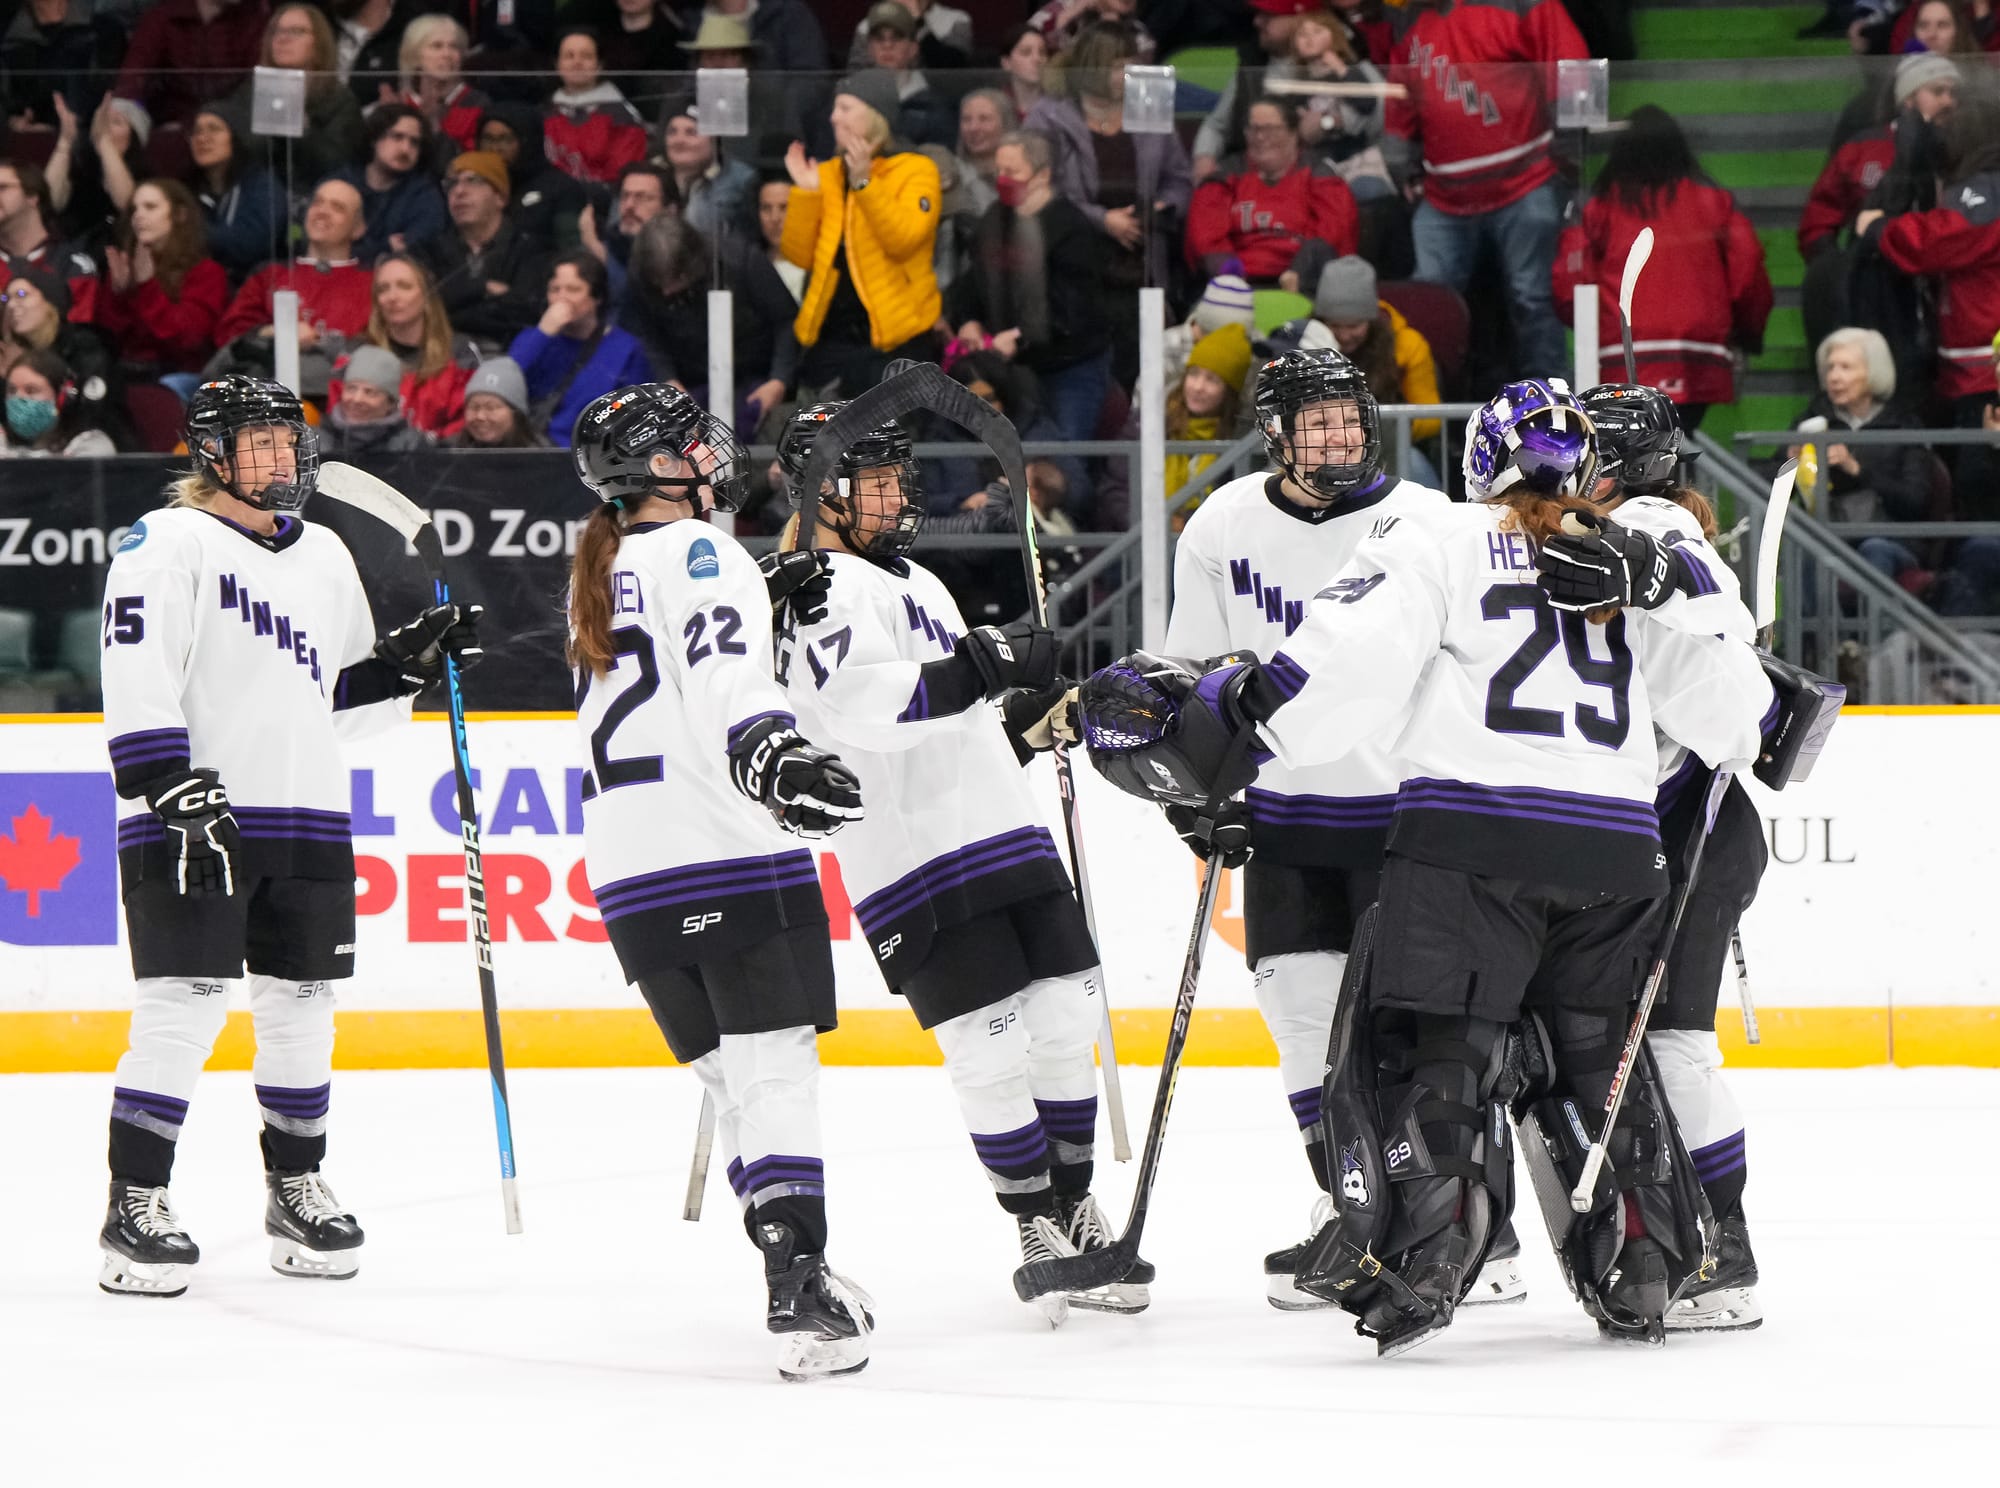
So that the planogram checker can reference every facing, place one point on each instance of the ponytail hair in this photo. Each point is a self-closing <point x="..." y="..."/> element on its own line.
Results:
<point x="1697" y="507"/>
<point x="590" y="591"/>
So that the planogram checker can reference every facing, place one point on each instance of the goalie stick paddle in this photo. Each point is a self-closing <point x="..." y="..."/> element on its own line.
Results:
<point x="1102" y="1268"/>
<point x="1581" y="1196"/>
<point x="382" y="501"/>
<point x="923" y="386"/>
<point x="1635" y="265"/>
<point x="1768" y="537"/>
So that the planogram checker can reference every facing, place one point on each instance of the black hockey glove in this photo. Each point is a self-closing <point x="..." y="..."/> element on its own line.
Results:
<point x="810" y="791"/>
<point x="1022" y="654"/>
<point x="201" y="833"/>
<point x="1595" y="562"/>
<point x="416" y="650"/>
<point x="805" y="579"/>
<point x="1225" y="836"/>
<point x="1035" y="721"/>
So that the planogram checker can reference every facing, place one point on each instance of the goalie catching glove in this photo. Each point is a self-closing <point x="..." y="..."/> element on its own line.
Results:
<point x="1173" y="731"/>
<point x="416" y="651"/>
<point x="810" y="791"/>
<point x="202" y="835"/>
<point x="1594" y="563"/>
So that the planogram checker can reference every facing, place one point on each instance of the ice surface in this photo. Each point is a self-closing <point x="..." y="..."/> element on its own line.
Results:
<point x="612" y="1343"/>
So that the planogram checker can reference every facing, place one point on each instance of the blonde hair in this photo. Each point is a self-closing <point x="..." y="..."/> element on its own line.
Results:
<point x="198" y="489"/>
<point x="437" y="343"/>
<point x="415" y="35"/>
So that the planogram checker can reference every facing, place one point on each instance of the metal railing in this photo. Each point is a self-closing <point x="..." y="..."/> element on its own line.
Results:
<point x="1841" y="616"/>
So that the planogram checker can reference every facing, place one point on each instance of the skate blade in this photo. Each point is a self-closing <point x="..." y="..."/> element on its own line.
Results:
<point x="289" y="1258"/>
<point x="1402" y="1343"/>
<point x="1123" y="1297"/>
<point x="1727" y="1310"/>
<point x="127" y="1278"/>
<point x="1284" y="1294"/>
<point x="1651" y="1334"/>
<point x="806" y="1357"/>
<point x="1500" y="1282"/>
<point x="1053" y="1308"/>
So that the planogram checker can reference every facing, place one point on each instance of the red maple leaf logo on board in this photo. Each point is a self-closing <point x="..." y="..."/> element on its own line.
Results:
<point x="33" y="862"/>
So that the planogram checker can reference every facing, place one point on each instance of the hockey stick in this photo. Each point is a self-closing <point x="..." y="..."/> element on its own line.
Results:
<point x="382" y="501"/>
<point x="924" y="386"/>
<point x="704" y="1145"/>
<point x="1103" y="1268"/>
<point x="1582" y="1195"/>
<point x="1635" y="264"/>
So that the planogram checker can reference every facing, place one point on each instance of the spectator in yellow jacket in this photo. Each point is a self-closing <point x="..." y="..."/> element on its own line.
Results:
<point x="865" y="227"/>
<point x="1391" y="353"/>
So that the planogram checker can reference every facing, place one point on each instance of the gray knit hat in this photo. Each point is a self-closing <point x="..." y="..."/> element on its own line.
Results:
<point x="1920" y="69"/>
<point x="1346" y="291"/>
<point x="377" y="366"/>
<point x="501" y="376"/>
<point x="876" y="87"/>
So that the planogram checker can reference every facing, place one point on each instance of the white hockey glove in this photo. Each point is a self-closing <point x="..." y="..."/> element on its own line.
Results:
<point x="201" y="833"/>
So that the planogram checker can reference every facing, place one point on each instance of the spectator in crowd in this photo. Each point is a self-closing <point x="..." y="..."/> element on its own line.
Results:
<point x="1133" y="188"/>
<point x="431" y="61"/>
<point x="1369" y="29"/>
<point x="716" y="193"/>
<point x="1705" y="295"/>
<point x="573" y="356"/>
<point x="25" y="239"/>
<point x="51" y="46"/>
<point x="1059" y="22"/>
<point x="1048" y="490"/>
<point x="510" y="35"/>
<point x="786" y="33"/>
<point x="37" y="319"/>
<point x="1221" y="133"/>
<point x="592" y="132"/>
<point x="1924" y="89"/>
<point x="545" y="204"/>
<point x="984" y="117"/>
<point x="163" y="294"/>
<point x="365" y="418"/>
<point x="60" y="165"/>
<point x="47" y="413"/>
<point x="185" y="53"/>
<point x="1946" y="26"/>
<point x="409" y="321"/>
<point x="1391" y="353"/>
<point x="865" y="226"/>
<point x="943" y="35"/>
<point x="641" y="193"/>
<point x="335" y="295"/>
<point x="400" y="200"/>
<point x="489" y="277"/>
<point x="1034" y="292"/>
<point x="1225" y="298"/>
<point x="366" y="37"/>
<point x="782" y="106"/>
<point x="1892" y="482"/>
<point x="496" y="409"/>
<point x="666" y="307"/>
<point x="120" y="149"/>
<point x="637" y="43"/>
<point x="1207" y="403"/>
<point x="772" y="198"/>
<point x="926" y="117"/>
<point x="1488" y="179"/>
<point x="1024" y="52"/>
<point x="1957" y="244"/>
<point x="300" y="39"/>
<point x="955" y="483"/>
<point x="242" y="201"/>
<point x="1282" y="217"/>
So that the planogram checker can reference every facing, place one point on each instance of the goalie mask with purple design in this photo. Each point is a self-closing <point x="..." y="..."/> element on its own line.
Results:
<point x="1533" y="436"/>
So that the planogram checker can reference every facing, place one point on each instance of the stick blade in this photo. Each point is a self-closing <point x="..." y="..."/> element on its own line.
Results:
<point x="1089" y="1272"/>
<point x="1635" y="265"/>
<point x="1768" y="539"/>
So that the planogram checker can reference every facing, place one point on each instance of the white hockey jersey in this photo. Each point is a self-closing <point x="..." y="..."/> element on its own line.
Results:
<point x="951" y="831"/>
<point x="1248" y="563"/>
<point x="684" y="866"/>
<point x="1526" y="733"/>
<point x="224" y="648"/>
<point x="1709" y="601"/>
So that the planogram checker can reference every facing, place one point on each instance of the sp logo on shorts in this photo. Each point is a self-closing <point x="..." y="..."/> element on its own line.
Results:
<point x="694" y="924"/>
<point x="997" y="1026"/>
<point x="701" y="560"/>
<point x="887" y="948"/>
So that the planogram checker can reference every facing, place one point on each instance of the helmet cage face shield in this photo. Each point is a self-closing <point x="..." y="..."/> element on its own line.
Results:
<point x="1333" y="446"/>
<point x="879" y="506"/>
<point x="273" y="466"/>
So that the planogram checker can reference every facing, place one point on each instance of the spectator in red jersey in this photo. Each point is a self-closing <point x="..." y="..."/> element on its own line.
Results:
<point x="334" y="295"/>
<point x="1957" y="244"/>
<point x="1478" y="123"/>
<point x="400" y="199"/>
<point x="1283" y="217"/>
<point x="1277" y="23"/>
<point x="25" y="238"/>
<point x="591" y="131"/>
<point x="185" y="53"/>
<point x="162" y="293"/>
<point x="435" y="363"/>
<point x="299" y="38"/>
<point x="431" y="59"/>
<point x="1704" y="296"/>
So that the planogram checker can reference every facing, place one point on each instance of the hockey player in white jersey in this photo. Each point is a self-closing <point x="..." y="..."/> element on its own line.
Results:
<point x="238" y="643"/>
<point x="1523" y="864"/>
<point x="1309" y="841"/>
<point x="955" y="880"/>
<point x="697" y="771"/>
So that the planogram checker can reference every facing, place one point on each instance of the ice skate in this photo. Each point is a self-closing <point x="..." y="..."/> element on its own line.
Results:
<point x="1500" y="1278"/>
<point x="1081" y="1222"/>
<point x="311" y="1235"/>
<point x="1727" y="1301"/>
<point x="1281" y="1267"/>
<point x="1633" y="1301"/>
<point x="1043" y="1240"/>
<point x="824" y="1320"/>
<point x="1434" y="1272"/>
<point x="146" y="1252"/>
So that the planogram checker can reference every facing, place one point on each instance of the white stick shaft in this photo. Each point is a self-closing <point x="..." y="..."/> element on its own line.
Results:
<point x="1768" y="539"/>
<point x="510" y="1203"/>
<point x="704" y="1146"/>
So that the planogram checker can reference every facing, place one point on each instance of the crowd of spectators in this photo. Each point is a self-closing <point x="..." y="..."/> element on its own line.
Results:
<point x="497" y="210"/>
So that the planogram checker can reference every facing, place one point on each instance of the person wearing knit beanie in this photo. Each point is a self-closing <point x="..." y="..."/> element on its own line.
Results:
<point x="1922" y="69"/>
<point x="489" y="167"/>
<point x="1224" y="352"/>
<point x="1346" y="293"/>
<point x="876" y="87"/>
<point x="1227" y="300"/>
<point x="496" y="409"/>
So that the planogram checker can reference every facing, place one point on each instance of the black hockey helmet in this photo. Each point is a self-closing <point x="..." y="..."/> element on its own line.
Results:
<point x="1288" y="385"/>
<point x="886" y="445"/>
<point x="617" y="437"/>
<point x="217" y="411"/>
<point x="1638" y="437"/>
